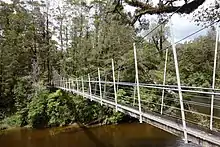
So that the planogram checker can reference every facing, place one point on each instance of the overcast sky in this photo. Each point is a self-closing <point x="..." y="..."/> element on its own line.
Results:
<point x="182" y="25"/>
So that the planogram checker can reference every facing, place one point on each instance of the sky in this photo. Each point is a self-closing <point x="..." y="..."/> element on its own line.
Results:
<point x="182" y="25"/>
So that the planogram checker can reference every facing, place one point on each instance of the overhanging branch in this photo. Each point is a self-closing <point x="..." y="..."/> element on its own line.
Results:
<point x="186" y="8"/>
<point x="146" y="8"/>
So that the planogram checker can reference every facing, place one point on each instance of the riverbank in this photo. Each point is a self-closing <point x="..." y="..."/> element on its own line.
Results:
<point x="10" y="124"/>
<point x="53" y="108"/>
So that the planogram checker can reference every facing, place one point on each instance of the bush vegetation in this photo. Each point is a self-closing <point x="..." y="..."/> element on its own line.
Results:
<point x="37" y="43"/>
<point x="45" y="108"/>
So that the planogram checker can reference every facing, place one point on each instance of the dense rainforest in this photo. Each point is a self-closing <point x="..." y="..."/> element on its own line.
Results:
<point x="75" y="37"/>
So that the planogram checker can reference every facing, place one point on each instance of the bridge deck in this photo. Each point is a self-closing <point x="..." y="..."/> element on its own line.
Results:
<point x="195" y="134"/>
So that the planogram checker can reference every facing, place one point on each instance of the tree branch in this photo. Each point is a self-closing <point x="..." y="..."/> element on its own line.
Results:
<point x="186" y="8"/>
<point x="147" y="8"/>
<point x="136" y="3"/>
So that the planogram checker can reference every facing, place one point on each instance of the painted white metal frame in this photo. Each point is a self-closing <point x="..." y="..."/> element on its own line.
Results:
<point x="90" y="88"/>
<point x="164" y="81"/>
<point x="178" y="83"/>
<point x="134" y="93"/>
<point x="213" y="78"/>
<point x="137" y="80"/>
<point x="100" y="86"/>
<point x="118" y="79"/>
<point x="77" y="84"/>
<point x="69" y="83"/>
<point x="113" y="75"/>
<point x="104" y="93"/>
<point x="72" y="84"/>
<point x="83" y="87"/>
<point x="168" y="123"/>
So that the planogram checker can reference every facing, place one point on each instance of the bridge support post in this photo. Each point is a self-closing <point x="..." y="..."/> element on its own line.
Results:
<point x="118" y="79"/>
<point x="179" y="84"/>
<point x="137" y="80"/>
<point x="90" y="88"/>
<point x="104" y="93"/>
<point x="213" y="78"/>
<point x="61" y="82"/>
<point x="69" y="83"/>
<point x="100" y="86"/>
<point x="72" y="84"/>
<point x="164" y="81"/>
<point x="58" y="82"/>
<point x="134" y="92"/>
<point x="82" y="87"/>
<point x="96" y="85"/>
<point x="66" y="85"/>
<point x="64" y="82"/>
<point x="77" y="85"/>
<point x="113" y="75"/>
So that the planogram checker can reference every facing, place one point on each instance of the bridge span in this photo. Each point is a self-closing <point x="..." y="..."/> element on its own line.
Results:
<point x="192" y="113"/>
<point x="195" y="133"/>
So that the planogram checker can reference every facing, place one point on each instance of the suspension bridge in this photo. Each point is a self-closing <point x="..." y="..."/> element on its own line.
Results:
<point x="190" y="112"/>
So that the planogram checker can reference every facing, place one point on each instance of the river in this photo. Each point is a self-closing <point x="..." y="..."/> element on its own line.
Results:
<point x="122" y="135"/>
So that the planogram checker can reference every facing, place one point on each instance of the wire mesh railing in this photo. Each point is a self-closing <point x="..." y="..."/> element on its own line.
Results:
<point x="191" y="105"/>
<point x="196" y="103"/>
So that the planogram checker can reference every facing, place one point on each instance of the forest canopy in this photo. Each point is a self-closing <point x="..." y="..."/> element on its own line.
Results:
<point x="41" y="38"/>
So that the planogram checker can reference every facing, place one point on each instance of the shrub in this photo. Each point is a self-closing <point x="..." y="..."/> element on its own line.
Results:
<point x="114" y="117"/>
<point x="23" y="92"/>
<point x="37" y="108"/>
<point x="12" y="121"/>
<point x="60" y="109"/>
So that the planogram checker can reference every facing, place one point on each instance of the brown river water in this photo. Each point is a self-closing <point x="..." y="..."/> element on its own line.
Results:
<point x="122" y="135"/>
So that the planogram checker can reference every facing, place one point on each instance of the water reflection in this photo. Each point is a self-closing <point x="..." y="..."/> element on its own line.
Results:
<point x="124" y="135"/>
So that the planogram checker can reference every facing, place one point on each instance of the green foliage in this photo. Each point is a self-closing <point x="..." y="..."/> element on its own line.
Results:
<point x="88" y="41"/>
<point x="151" y="99"/>
<point x="37" y="108"/>
<point x="57" y="109"/>
<point x="121" y="96"/>
<point x="51" y="109"/>
<point x="92" y="112"/>
<point x="208" y="13"/>
<point x="114" y="118"/>
<point x="196" y="61"/>
<point x="12" y="121"/>
<point x="25" y="51"/>
<point x="23" y="91"/>
<point x="60" y="108"/>
<point x="87" y="111"/>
